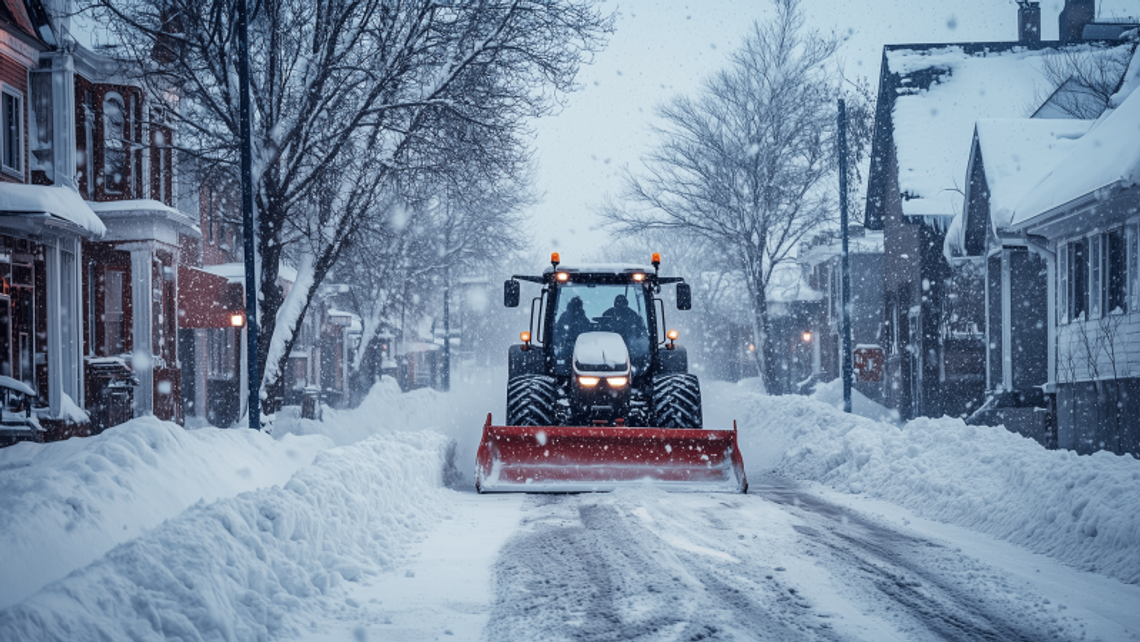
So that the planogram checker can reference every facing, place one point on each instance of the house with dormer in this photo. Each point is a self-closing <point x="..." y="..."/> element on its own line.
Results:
<point x="931" y="98"/>
<point x="1084" y="215"/>
<point x="1008" y="157"/>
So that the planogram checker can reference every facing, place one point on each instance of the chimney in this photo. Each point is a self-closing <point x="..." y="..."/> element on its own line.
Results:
<point x="1028" y="21"/>
<point x="1074" y="17"/>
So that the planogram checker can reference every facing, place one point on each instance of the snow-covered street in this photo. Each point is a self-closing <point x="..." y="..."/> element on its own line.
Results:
<point x="366" y="527"/>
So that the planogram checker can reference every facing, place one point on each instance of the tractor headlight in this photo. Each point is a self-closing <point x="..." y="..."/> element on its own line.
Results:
<point x="588" y="382"/>
<point x="617" y="382"/>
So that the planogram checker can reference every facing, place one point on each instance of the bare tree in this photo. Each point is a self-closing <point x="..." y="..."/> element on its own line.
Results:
<point x="346" y="95"/>
<point x="1083" y="79"/>
<point x="748" y="163"/>
<point x="421" y="247"/>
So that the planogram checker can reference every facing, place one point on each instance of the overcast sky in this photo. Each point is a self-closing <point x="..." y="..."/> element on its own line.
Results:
<point x="662" y="48"/>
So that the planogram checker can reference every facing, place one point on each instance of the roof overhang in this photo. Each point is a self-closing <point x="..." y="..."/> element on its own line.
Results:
<point x="207" y="300"/>
<point x="1099" y="209"/>
<point x="144" y="219"/>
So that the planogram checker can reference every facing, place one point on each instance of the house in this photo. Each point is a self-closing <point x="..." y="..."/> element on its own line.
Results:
<point x="115" y="146"/>
<point x="930" y="98"/>
<point x="1007" y="158"/>
<point x="43" y="224"/>
<point x="792" y="305"/>
<point x="822" y="258"/>
<point x="1084" y="215"/>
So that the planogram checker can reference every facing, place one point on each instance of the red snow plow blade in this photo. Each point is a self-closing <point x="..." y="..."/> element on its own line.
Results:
<point x="575" y="459"/>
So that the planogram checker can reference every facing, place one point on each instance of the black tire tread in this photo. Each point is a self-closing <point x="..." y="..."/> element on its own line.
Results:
<point x="531" y="400"/>
<point x="677" y="401"/>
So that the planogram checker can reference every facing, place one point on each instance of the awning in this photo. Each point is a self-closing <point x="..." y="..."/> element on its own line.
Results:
<point x="58" y="202"/>
<point x="207" y="300"/>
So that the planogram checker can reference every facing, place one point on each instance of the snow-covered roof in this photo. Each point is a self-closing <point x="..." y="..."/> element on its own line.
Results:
<point x="871" y="242"/>
<point x="1108" y="155"/>
<point x="933" y="125"/>
<point x="1017" y="153"/>
<point x="16" y="384"/>
<point x="787" y="284"/>
<point x="235" y="272"/>
<point x="354" y="322"/>
<point x="143" y="207"/>
<point x="60" y="202"/>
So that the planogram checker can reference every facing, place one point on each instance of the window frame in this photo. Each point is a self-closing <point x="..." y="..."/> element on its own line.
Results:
<point x="17" y="170"/>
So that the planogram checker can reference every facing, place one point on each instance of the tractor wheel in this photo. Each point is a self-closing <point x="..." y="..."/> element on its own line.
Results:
<point x="677" y="401"/>
<point x="530" y="401"/>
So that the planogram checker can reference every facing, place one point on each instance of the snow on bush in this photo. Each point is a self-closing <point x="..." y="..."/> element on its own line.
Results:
<point x="252" y="566"/>
<point x="65" y="504"/>
<point x="1080" y="509"/>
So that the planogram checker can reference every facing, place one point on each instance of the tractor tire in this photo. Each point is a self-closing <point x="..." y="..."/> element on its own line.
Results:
<point x="677" y="401"/>
<point x="531" y="401"/>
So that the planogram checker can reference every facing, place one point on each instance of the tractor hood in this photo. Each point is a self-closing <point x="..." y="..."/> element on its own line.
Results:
<point x="600" y="353"/>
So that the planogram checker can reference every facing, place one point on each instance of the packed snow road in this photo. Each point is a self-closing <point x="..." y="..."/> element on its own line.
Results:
<point x="366" y="527"/>
<point x="779" y="564"/>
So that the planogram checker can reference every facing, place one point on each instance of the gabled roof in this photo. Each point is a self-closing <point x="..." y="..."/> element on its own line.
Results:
<point x="1106" y="157"/>
<point x="28" y="19"/>
<point x="931" y="96"/>
<point x="1013" y="154"/>
<point x="1018" y="153"/>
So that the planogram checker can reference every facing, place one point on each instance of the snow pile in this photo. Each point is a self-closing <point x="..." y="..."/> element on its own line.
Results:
<point x="386" y="409"/>
<point x="1078" y="509"/>
<point x="257" y="565"/>
<point x="65" y="504"/>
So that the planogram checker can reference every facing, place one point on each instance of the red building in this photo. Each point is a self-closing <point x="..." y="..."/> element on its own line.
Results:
<point x="42" y="223"/>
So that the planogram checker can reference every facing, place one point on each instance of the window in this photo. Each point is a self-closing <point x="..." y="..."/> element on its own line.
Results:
<point x="1115" y="276"/>
<point x="1133" y="279"/>
<point x="113" y="313"/>
<point x="222" y="351"/>
<point x="1063" y="314"/>
<point x="114" y="143"/>
<point x="41" y="128"/>
<point x="1093" y="276"/>
<point x="1096" y="276"/>
<point x="12" y="126"/>
<point x="1075" y="276"/>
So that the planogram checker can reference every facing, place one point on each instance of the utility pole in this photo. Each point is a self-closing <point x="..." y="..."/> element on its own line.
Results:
<point x="248" y="219"/>
<point x="846" y="265"/>
<point x="445" y="380"/>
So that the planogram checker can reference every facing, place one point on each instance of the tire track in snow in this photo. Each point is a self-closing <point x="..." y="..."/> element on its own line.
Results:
<point x="930" y="592"/>
<point x="582" y="569"/>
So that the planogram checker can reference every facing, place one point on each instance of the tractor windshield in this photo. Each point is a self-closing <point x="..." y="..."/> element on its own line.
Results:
<point x="593" y="307"/>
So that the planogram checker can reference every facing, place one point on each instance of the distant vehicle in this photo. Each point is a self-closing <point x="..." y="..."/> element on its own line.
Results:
<point x="599" y="393"/>
<point x="17" y="422"/>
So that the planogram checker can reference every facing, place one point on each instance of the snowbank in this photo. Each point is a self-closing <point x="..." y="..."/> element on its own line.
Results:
<point x="1077" y="509"/>
<point x="65" y="504"/>
<point x="458" y="414"/>
<point x="256" y="565"/>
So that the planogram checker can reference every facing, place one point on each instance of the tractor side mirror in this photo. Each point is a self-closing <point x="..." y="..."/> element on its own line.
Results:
<point x="684" y="297"/>
<point x="511" y="293"/>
